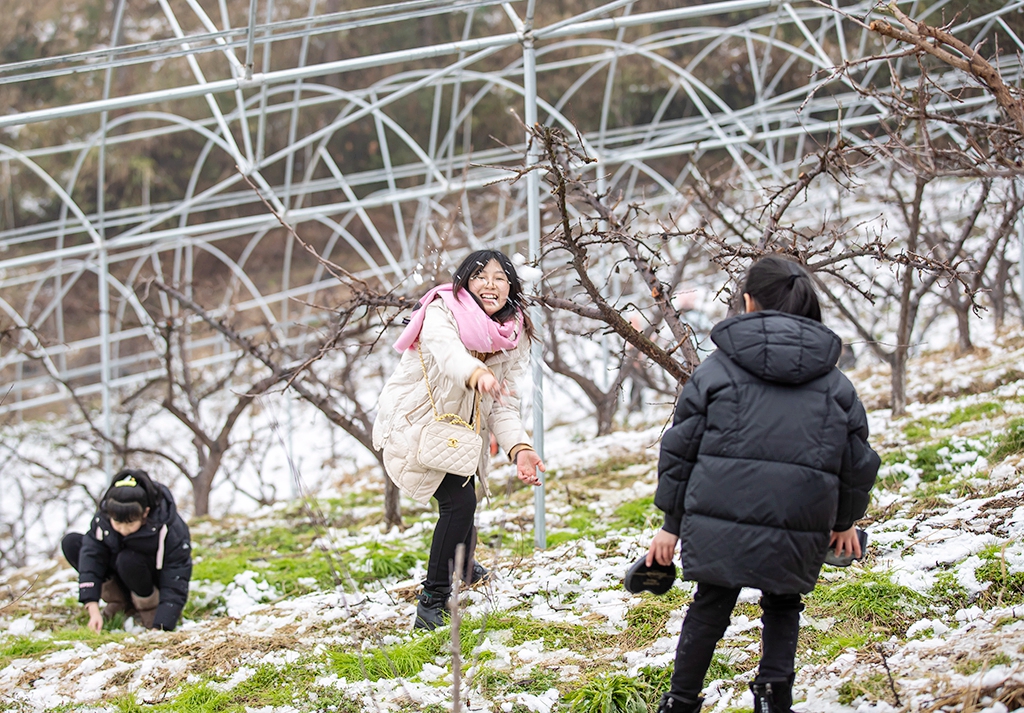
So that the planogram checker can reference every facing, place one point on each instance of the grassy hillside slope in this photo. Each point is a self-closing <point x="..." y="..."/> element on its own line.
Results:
<point x="309" y="606"/>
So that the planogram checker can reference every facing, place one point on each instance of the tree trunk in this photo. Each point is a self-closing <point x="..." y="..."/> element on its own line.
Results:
<point x="605" y="414"/>
<point x="898" y="381"/>
<point x="392" y="503"/>
<point x="202" y="484"/>
<point x="998" y="293"/>
<point x="963" y="324"/>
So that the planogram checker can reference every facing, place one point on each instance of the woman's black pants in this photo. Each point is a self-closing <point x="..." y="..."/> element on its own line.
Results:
<point x="456" y="505"/>
<point x="130" y="569"/>
<point x="705" y="625"/>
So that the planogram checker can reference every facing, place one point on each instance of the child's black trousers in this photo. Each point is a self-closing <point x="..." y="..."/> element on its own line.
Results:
<point x="706" y="622"/>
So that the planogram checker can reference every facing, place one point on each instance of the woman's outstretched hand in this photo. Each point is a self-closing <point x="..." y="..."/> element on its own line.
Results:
<point x="846" y="542"/>
<point x="488" y="384"/>
<point x="527" y="464"/>
<point x="663" y="548"/>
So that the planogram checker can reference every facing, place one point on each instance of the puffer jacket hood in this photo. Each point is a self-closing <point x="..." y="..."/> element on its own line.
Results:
<point x="778" y="347"/>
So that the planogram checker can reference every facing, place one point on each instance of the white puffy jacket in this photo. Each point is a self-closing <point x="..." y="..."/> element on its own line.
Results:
<point x="404" y="407"/>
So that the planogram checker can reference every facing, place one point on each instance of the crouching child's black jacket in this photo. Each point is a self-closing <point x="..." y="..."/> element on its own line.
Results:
<point x="164" y="540"/>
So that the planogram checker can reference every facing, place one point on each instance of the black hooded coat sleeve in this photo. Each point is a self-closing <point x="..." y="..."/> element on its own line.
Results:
<point x="860" y="463"/>
<point x="94" y="559"/>
<point x="679" y="448"/>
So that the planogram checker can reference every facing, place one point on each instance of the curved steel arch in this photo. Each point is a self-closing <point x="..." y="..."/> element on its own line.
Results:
<point x="446" y="160"/>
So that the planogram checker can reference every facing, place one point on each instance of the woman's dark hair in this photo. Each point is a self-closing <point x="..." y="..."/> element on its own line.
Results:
<point x="130" y="493"/>
<point x="473" y="264"/>
<point x="783" y="285"/>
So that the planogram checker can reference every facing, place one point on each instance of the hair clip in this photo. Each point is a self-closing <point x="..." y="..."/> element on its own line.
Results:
<point x="126" y="482"/>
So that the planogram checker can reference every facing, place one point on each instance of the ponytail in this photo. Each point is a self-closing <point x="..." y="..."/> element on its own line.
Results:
<point x="129" y="495"/>
<point x="776" y="283"/>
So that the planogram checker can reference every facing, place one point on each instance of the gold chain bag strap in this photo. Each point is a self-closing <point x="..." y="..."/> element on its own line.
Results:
<point x="448" y="443"/>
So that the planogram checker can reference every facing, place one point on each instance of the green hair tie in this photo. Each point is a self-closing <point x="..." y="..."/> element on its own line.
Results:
<point x="127" y="482"/>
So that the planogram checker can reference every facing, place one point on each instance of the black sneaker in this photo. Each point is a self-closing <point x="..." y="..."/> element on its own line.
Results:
<point x="430" y="610"/>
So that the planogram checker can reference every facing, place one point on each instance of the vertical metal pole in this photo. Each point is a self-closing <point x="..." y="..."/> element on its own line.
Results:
<point x="261" y="128"/>
<point x="540" y="537"/>
<point x="250" y="43"/>
<point x="104" y="266"/>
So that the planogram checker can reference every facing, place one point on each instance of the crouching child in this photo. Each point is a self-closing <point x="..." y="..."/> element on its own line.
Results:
<point x="136" y="556"/>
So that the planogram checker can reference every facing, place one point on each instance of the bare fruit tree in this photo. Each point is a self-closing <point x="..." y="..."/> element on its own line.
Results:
<point x="340" y="396"/>
<point x="949" y="173"/>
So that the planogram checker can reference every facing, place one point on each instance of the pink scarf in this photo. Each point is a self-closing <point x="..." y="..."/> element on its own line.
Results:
<point x="479" y="333"/>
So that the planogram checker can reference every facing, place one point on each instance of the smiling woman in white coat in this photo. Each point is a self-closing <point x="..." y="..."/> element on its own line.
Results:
<point x="463" y="351"/>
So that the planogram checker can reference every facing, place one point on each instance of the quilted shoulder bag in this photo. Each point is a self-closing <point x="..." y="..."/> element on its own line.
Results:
<point x="448" y="443"/>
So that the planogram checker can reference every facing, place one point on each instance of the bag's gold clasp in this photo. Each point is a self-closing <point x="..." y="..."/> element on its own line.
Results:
<point x="453" y="442"/>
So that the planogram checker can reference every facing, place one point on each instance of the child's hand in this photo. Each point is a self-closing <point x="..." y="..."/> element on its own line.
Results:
<point x="95" y="618"/>
<point x="663" y="548"/>
<point x="846" y="541"/>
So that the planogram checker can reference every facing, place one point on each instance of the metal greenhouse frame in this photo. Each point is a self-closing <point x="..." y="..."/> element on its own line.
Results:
<point x="243" y="106"/>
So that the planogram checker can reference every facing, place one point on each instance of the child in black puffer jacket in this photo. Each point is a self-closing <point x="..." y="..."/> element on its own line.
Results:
<point x="766" y="466"/>
<point x="136" y="556"/>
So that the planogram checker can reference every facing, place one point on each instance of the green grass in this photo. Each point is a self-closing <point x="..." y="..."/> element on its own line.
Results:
<point x="948" y="592"/>
<point x="919" y="429"/>
<point x="580" y="523"/>
<point x="554" y="539"/>
<point x="403" y="660"/>
<point x="24" y="647"/>
<point x="1010" y="441"/>
<point x="610" y="693"/>
<point x="382" y="562"/>
<point x="870" y="598"/>
<point x="638" y="513"/>
<point x="818" y="647"/>
<point x="539" y="680"/>
<point x="270" y="686"/>
<point x="285" y="555"/>
<point x="406" y="658"/>
<point x="931" y="463"/>
<point x="647" y="619"/>
<point x="282" y="555"/>
<point x="893" y="457"/>
<point x="658" y="678"/>
<point x="874" y="687"/>
<point x="971" y="666"/>
<point x="1006" y="588"/>
<point x="974" y="412"/>
<point x="556" y="635"/>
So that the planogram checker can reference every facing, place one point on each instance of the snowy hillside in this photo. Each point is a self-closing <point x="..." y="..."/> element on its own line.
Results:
<point x="309" y="606"/>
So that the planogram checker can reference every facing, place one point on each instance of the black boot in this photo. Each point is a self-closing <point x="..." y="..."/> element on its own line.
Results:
<point x="430" y="610"/>
<point x="772" y="695"/>
<point x="671" y="703"/>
